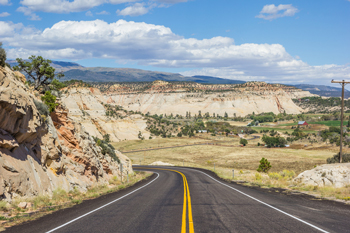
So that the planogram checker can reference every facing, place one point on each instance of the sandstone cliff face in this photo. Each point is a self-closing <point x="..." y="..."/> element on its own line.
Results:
<point x="35" y="158"/>
<point x="258" y="98"/>
<point x="85" y="105"/>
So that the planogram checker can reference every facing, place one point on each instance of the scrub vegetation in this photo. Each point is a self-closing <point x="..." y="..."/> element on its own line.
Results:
<point x="11" y="214"/>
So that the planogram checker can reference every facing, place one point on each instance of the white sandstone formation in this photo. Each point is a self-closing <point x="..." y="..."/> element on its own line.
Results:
<point x="86" y="108"/>
<point x="39" y="154"/>
<point x="335" y="175"/>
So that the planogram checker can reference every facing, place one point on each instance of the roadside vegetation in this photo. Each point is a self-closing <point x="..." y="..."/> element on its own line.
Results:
<point x="36" y="207"/>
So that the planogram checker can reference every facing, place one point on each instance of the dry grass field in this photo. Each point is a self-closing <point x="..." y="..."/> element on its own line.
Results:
<point x="225" y="154"/>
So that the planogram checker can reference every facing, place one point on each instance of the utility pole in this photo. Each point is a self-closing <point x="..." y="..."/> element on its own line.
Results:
<point x="342" y="83"/>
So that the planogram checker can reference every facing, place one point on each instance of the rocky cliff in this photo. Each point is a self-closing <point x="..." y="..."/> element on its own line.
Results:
<point x="41" y="153"/>
<point x="161" y="97"/>
<point x="86" y="105"/>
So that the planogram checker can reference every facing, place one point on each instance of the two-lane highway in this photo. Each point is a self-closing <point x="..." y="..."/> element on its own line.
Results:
<point x="190" y="200"/>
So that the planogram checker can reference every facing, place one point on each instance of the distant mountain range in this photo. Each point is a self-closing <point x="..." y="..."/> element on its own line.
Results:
<point x="323" y="90"/>
<point x="74" y="70"/>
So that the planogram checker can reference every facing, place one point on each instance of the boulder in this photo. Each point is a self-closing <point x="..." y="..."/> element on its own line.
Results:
<point x="335" y="175"/>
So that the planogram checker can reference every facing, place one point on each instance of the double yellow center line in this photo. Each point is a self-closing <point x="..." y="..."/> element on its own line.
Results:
<point x="187" y="200"/>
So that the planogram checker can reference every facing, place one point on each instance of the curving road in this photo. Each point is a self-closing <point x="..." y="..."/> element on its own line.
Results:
<point x="190" y="200"/>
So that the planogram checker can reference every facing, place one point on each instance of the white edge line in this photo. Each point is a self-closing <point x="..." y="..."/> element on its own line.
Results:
<point x="101" y="206"/>
<point x="262" y="202"/>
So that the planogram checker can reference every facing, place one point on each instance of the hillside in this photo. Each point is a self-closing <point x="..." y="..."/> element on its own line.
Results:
<point x="58" y="65"/>
<point x="102" y="74"/>
<point x="41" y="151"/>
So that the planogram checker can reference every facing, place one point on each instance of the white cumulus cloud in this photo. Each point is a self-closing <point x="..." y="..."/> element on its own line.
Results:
<point x="5" y="2"/>
<point x="134" y="10"/>
<point x="270" y="12"/>
<point x="103" y="13"/>
<point x="156" y="45"/>
<point x="89" y="13"/>
<point x="26" y="11"/>
<point x="67" y="6"/>
<point x="4" y="14"/>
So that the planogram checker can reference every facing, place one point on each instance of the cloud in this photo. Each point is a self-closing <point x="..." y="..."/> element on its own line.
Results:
<point x="103" y="13"/>
<point x="89" y="13"/>
<point x="60" y="6"/>
<point x="134" y="10"/>
<point x="5" y="2"/>
<point x="270" y="12"/>
<point x="26" y="11"/>
<point x="4" y="14"/>
<point x="66" y="6"/>
<point x="156" y="45"/>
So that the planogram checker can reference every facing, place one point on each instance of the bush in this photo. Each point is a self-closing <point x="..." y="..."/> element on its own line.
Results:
<point x="336" y="158"/>
<point x="275" y="175"/>
<point x="42" y="108"/>
<point x="287" y="174"/>
<point x="2" y="56"/>
<point x="243" y="141"/>
<point x="56" y="85"/>
<point x="49" y="100"/>
<point x="106" y="148"/>
<point x="274" y="141"/>
<point x="264" y="166"/>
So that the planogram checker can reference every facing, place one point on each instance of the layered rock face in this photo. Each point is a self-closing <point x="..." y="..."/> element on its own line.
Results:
<point x="335" y="175"/>
<point x="35" y="158"/>
<point x="85" y="105"/>
<point x="179" y="98"/>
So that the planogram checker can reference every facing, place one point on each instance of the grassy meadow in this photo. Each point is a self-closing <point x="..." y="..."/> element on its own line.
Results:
<point x="224" y="154"/>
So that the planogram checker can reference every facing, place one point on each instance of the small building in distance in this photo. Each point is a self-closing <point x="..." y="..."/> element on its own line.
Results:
<point x="302" y="123"/>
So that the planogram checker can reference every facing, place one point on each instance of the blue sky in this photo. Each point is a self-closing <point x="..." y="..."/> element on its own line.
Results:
<point x="251" y="40"/>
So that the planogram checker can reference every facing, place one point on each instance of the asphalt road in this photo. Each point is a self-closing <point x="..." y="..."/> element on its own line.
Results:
<point x="164" y="202"/>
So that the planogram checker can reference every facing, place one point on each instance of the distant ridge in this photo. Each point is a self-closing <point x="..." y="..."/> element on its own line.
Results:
<point x="103" y="74"/>
<point x="74" y="70"/>
<point x="322" y="90"/>
<point x="58" y="65"/>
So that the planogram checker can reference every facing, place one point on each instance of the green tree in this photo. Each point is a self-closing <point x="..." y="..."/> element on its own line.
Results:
<point x="56" y="85"/>
<point x="264" y="165"/>
<point x="106" y="138"/>
<point x="49" y="100"/>
<point x="38" y="69"/>
<point x="243" y="142"/>
<point x="2" y="56"/>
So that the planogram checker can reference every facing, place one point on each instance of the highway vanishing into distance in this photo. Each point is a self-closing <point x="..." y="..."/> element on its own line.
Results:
<point x="177" y="199"/>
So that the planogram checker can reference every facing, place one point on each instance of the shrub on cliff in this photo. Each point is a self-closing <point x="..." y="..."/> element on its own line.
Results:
<point x="49" y="100"/>
<point x="106" y="148"/>
<point x="42" y="108"/>
<point x="2" y="56"/>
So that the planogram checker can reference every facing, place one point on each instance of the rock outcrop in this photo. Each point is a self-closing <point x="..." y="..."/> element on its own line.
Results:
<point x="335" y="175"/>
<point x="38" y="153"/>
<point x="85" y="105"/>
